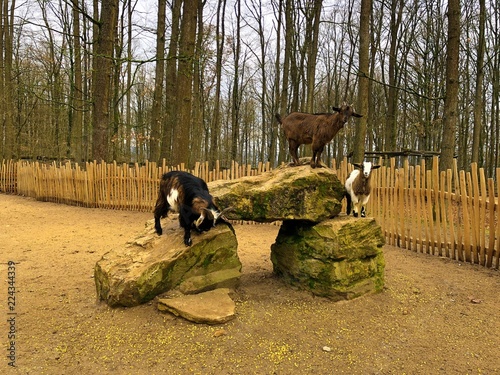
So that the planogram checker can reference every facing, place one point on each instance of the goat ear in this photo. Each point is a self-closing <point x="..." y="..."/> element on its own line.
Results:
<point x="354" y="114"/>
<point x="336" y="109"/>
<point x="206" y="213"/>
<point x="376" y="166"/>
<point x="357" y="165"/>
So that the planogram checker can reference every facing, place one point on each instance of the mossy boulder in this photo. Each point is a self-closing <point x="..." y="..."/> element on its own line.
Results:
<point x="150" y="264"/>
<point x="286" y="193"/>
<point x="340" y="258"/>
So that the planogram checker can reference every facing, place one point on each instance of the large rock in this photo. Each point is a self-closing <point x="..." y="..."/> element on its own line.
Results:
<point x="339" y="258"/>
<point x="151" y="264"/>
<point x="286" y="193"/>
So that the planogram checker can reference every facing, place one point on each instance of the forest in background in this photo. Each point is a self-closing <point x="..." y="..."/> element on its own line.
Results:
<point x="193" y="80"/>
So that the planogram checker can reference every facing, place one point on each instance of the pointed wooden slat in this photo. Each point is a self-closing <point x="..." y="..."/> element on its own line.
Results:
<point x="451" y="219"/>
<point x="497" y="250"/>
<point x="482" y="217"/>
<point x="466" y="223"/>
<point x="493" y="228"/>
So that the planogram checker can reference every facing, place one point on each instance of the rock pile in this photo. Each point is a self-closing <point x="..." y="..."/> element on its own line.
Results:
<point x="316" y="249"/>
<point x="334" y="256"/>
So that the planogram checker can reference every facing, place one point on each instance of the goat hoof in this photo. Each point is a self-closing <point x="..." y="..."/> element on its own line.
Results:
<point x="188" y="241"/>
<point x="363" y="214"/>
<point x="355" y="214"/>
<point x="159" y="231"/>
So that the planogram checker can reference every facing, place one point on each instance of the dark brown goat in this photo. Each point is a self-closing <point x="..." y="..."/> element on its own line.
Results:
<point x="316" y="129"/>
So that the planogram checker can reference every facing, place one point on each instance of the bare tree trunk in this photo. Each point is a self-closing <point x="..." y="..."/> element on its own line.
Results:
<point x="197" y="154"/>
<point x="101" y="78"/>
<point x="288" y="51"/>
<point x="291" y="41"/>
<point x="220" y="36"/>
<point x="116" y="88"/>
<point x="478" y="99"/>
<point x="392" y="99"/>
<point x="128" y="96"/>
<point x="74" y="142"/>
<point x="363" y="83"/>
<point x="6" y="38"/>
<point x="450" y="119"/>
<point x="185" y="82"/>
<point x="312" y="38"/>
<point x="235" y="109"/>
<point x="171" y="86"/>
<point x="157" y="113"/>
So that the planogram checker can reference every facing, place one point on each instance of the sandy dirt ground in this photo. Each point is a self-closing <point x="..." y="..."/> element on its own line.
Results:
<point x="435" y="316"/>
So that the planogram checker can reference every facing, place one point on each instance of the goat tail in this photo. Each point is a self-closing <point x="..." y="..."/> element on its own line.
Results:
<point x="161" y="206"/>
<point x="161" y="210"/>
<point x="349" y="202"/>
<point x="278" y="117"/>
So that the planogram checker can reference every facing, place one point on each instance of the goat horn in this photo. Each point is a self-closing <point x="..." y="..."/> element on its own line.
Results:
<point x="225" y="210"/>
<point x="200" y="219"/>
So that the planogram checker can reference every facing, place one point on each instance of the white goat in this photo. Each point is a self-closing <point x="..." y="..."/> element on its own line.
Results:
<point x="358" y="188"/>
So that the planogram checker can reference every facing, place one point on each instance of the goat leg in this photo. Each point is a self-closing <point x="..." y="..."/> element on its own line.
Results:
<point x="313" y="160"/>
<point x="187" y="237"/>
<point x="186" y="223"/>
<point x="364" y="201"/>
<point x="316" y="159"/>
<point x="355" y="206"/>
<point x="349" y="201"/>
<point x="161" y="210"/>
<point x="293" y="147"/>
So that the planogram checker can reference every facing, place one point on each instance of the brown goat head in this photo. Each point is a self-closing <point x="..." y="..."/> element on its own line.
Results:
<point x="346" y="111"/>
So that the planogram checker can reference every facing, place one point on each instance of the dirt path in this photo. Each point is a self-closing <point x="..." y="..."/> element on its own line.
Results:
<point x="435" y="316"/>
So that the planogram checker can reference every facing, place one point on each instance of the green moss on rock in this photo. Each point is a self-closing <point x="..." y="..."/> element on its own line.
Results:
<point x="340" y="258"/>
<point x="151" y="264"/>
<point x="287" y="193"/>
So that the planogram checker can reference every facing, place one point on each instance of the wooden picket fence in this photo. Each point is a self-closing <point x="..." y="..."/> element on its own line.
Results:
<point x="452" y="214"/>
<point x="103" y="185"/>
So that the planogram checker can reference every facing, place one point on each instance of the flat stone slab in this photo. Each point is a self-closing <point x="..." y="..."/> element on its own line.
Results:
<point x="212" y="307"/>
<point x="286" y="193"/>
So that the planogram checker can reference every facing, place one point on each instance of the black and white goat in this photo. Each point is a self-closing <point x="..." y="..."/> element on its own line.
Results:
<point x="359" y="188"/>
<point x="188" y="195"/>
